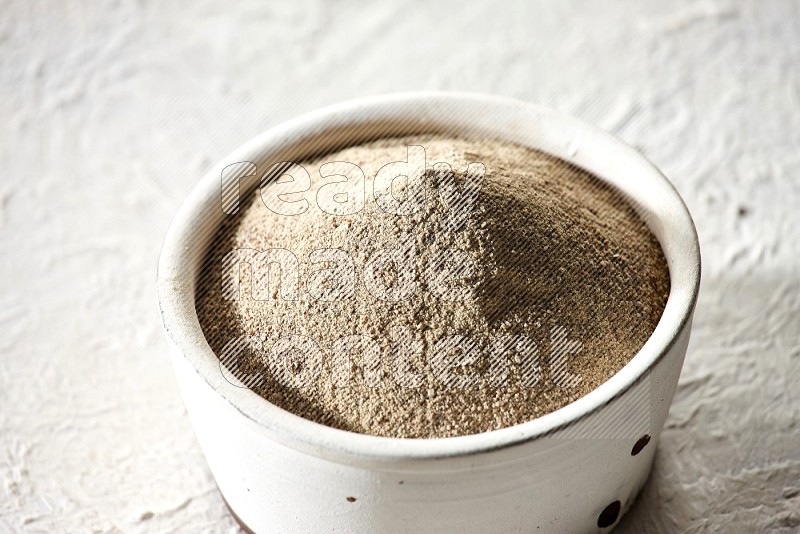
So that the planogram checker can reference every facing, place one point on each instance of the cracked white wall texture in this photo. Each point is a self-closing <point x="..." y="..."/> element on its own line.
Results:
<point x="112" y="111"/>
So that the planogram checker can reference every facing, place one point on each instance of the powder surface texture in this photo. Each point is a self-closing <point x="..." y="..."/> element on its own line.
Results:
<point x="456" y="301"/>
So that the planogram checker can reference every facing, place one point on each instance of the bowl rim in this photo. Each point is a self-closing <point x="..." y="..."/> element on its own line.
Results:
<point x="560" y="135"/>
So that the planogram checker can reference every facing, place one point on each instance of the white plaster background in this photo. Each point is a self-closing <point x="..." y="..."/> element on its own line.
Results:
<point x="110" y="113"/>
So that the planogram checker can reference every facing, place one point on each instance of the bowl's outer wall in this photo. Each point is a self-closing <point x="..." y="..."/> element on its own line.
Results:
<point x="559" y="483"/>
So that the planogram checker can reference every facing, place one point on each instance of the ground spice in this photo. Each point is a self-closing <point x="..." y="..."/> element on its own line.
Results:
<point x="550" y="278"/>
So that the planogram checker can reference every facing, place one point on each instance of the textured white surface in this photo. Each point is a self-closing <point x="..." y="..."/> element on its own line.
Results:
<point x="110" y="113"/>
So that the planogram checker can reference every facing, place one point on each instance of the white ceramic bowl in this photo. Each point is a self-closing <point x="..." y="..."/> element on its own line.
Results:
<point x="574" y="470"/>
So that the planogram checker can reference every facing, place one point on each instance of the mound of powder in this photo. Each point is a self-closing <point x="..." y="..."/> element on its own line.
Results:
<point x="498" y="294"/>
